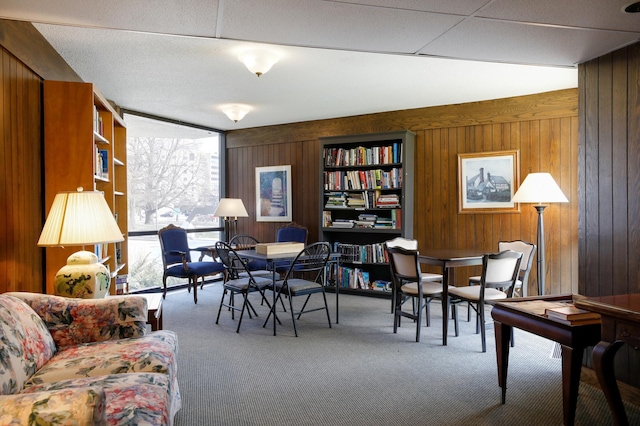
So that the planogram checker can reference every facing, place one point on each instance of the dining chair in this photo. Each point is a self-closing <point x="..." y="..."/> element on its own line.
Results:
<point x="176" y="260"/>
<point x="411" y="244"/>
<point x="239" y="280"/>
<point x="408" y="284"/>
<point x="527" y="249"/>
<point x="305" y="276"/>
<point x="247" y="242"/>
<point x="499" y="271"/>
<point x="292" y="232"/>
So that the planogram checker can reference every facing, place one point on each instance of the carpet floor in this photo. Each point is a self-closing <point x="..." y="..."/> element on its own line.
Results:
<point x="359" y="372"/>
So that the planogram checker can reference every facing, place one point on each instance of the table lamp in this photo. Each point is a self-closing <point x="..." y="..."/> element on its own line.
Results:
<point x="79" y="219"/>
<point x="538" y="188"/>
<point x="230" y="209"/>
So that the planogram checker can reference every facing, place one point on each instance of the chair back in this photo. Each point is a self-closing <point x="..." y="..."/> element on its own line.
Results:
<point x="405" y="243"/>
<point x="292" y="232"/>
<point x="234" y="264"/>
<point x="405" y="266"/>
<point x="243" y="242"/>
<point x="527" y="249"/>
<point x="501" y="270"/>
<point x="173" y="239"/>
<point x="312" y="260"/>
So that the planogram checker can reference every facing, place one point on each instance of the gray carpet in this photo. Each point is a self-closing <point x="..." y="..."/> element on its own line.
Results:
<point x="359" y="372"/>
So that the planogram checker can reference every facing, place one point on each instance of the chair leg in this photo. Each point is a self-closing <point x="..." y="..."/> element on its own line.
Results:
<point x="454" y="312"/>
<point x="293" y="317"/>
<point x="244" y="307"/>
<point x="164" y="287"/>
<point x="427" y="308"/>
<point x="482" y="326"/>
<point x="224" y="293"/>
<point x="195" y="289"/>
<point x="419" y="320"/>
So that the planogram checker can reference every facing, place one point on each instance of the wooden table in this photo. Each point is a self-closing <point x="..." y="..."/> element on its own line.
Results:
<point x="447" y="259"/>
<point x="154" y="309"/>
<point x="527" y="313"/>
<point x="620" y="324"/>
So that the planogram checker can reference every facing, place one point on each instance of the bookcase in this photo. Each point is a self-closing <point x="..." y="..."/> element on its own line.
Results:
<point x="85" y="146"/>
<point x="366" y="199"/>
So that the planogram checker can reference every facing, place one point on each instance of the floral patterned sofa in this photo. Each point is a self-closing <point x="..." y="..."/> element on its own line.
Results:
<point x="84" y="362"/>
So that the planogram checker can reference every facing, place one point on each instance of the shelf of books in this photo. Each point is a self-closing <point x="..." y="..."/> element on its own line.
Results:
<point x="366" y="199"/>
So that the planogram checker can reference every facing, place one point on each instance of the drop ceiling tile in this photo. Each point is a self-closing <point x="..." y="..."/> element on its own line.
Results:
<point x="185" y="17"/>
<point x="598" y="14"/>
<point x="332" y="25"/>
<point x="460" y="7"/>
<point x="502" y="41"/>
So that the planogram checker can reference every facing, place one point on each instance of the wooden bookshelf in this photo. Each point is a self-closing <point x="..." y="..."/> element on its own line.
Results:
<point x="366" y="199"/>
<point x="79" y="123"/>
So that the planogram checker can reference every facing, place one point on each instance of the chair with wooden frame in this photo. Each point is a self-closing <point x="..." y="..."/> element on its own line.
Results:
<point x="176" y="260"/>
<point x="499" y="271"/>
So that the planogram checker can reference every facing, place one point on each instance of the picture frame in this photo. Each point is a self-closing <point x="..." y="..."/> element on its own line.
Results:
<point x="273" y="194"/>
<point x="487" y="181"/>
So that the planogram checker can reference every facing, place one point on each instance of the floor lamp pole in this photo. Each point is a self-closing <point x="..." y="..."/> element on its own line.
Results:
<point x="541" y="263"/>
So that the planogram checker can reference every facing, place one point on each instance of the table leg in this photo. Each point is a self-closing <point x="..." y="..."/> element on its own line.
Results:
<point x="571" y="366"/>
<point x="503" y="335"/>
<point x="273" y="277"/>
<point x="603" y="355"/>
<point x="445" y="304"/>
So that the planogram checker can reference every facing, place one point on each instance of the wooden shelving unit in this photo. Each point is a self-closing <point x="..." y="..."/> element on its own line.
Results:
<point x="79" y="123"/>
<point x="366" y="199"/>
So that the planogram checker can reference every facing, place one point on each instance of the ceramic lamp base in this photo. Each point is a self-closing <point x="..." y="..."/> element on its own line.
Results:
<point x="83" y="276"/>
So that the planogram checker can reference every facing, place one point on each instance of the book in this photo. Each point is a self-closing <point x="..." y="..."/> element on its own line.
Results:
<point x="570" y="313"/>
<point x="576" y="323"/>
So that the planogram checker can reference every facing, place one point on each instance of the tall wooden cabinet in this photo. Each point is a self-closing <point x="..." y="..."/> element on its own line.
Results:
<point x="85" y="146"/>
<point x="366" y="199"/>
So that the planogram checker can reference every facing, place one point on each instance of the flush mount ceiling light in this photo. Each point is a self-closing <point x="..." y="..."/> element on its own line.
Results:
<point x="258" y="61"/>
<point x="633" y="8"/>
<point x="236" y="112"/>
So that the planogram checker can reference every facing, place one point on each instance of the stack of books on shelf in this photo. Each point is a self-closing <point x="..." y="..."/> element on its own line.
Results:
<point x="336" y="200"/>
<point x="388" y="201"/>
<point x="362" y="156"/>
<point x="366" y="220"/>
<point x="356" y="200"/>
<point x="343" y="223"/>
<point x="571" y="315"/>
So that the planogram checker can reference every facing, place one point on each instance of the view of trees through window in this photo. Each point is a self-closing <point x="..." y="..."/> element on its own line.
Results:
<point x="173" y="177"/>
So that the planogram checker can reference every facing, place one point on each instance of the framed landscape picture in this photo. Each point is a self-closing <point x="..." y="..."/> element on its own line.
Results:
<point x="273" y="194"/>
<point x="487" y="182"/>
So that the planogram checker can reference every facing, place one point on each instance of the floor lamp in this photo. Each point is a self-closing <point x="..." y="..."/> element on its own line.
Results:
<point x="538" y="188"/>
<point x="230" y="209"/>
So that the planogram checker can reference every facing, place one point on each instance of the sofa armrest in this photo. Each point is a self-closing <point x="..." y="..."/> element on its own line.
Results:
<point x="73" y="321"/>
<point x="81" y="406"/>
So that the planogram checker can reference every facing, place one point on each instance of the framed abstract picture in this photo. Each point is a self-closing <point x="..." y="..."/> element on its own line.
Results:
<point x="487" y="182"/>
<point x="273" y="194"/>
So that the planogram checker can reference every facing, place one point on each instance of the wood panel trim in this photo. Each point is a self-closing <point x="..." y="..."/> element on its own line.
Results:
<point x="556" y="104"/>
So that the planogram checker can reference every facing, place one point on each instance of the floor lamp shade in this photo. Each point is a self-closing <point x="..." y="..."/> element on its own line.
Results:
<point x="78" y="219"/>
<point x="230" y="209"/>
<point x="539" y="188"/>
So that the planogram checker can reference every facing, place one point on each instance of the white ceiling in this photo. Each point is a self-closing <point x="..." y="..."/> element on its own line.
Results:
<point x="178" y="59"/>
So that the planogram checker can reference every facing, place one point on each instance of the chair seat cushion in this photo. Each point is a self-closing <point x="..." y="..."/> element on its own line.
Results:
<point x="298" y="285"/>
<point x="428" y="276"/>
<point x="473" y="293"/>
<point x="428" y="289"/>
<point x="242" y="284"/>
<point x="195" y="268"/>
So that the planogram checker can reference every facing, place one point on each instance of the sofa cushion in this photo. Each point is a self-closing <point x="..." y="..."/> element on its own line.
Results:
<point x="131" y="399"/>
<point x="25" y="344"/>
<point x="84" y="406"/>
<point x="155" y="353"/>
<point x="74" y="321"/>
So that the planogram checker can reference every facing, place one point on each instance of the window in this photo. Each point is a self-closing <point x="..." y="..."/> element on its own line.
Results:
<point x="174" y="175"/>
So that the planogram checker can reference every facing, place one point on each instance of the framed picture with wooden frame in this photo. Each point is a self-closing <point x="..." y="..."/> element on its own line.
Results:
<point x="273" y="194"/>
<point x="487" y="182"/>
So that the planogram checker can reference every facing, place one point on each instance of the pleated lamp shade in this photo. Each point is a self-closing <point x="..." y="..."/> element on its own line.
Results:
<point x="79" y="218"/>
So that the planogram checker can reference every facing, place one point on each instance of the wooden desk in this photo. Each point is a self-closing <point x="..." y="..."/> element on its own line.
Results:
<point x="527" y="313"/>
<point x="447" y="259"/>
<point x="620" y="324"/>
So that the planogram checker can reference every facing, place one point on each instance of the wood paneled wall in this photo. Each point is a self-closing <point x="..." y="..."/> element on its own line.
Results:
<point x="21" y="177"/>
<point x="609" y="183"/>
<point x="543" y="127"/>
